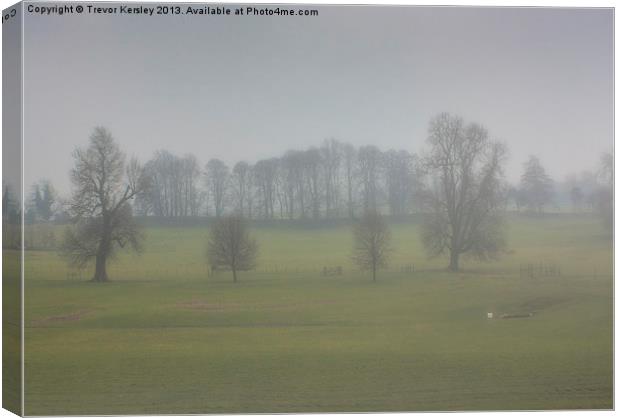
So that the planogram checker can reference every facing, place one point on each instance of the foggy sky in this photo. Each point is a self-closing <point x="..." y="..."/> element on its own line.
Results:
<point x="253" y="87"/>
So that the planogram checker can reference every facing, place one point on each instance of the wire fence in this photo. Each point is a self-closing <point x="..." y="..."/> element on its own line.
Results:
<point x="42" y="268"/>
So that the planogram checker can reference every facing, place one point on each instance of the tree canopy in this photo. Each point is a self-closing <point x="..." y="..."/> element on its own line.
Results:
<point x="103" y="186"/>
<point x="466" y="198"/>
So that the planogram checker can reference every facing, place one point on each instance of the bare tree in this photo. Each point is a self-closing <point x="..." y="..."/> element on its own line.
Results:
<point x="536" y="185"/>
<point x="230" y="245"/>
<point x="280" y="189"/>
<point x="265" y="173"/>
<point x="467" y="199"/>
<point x="371" y="237"/>
<point x="312" y="165"/>
<point x="103" y="186"/>
<point x="190" y="172"/>
<point x="369" y="163"/>
<point x="251" y="193"/>
<point x="290" y="173"/>
<point x="399" y="181"/>
<point x="350" y="158"/>
<point x="159" y="198"/>
<point x="174" y="186"/>
<point x="330" y="159"/>
<point x="242" y="181"/>
<point x="218" y="177"/>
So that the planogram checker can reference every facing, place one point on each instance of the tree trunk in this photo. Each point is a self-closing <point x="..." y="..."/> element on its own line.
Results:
<point x="454" y="261"/>
<point x="350" y="197"/>
<point x="374" y="273"/>
<point x="101" y="274"/>
<point x="234" y="271"/>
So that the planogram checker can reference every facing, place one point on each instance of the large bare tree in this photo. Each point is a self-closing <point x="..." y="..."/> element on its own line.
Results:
<point x="371" y="243"/>
<point x="103" y="187"/>
<point x="230" y="245"/>
<point x="467" y="196"/>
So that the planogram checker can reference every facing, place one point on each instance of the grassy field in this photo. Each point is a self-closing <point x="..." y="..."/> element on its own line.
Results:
<point x="164" y="337"/>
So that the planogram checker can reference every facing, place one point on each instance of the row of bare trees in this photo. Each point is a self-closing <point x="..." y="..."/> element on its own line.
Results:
<point x="174" y="186"/>
<point x="458" y="182"/>
<point x="330" y="181"/>
<point x="230" y="245"/>
<point x="334" y="180"/>
<point x="464" y="196"/>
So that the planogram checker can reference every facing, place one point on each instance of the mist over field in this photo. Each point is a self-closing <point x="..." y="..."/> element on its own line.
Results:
<point x="363" y="209"/>
<point x="250" y="88"/>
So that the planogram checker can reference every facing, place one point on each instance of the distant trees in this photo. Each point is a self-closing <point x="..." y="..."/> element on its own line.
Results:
<point x="467" y="194"/>
<point x="11" y="218"/>
<point x="350" y="158"/>
<point x="458" y="185"/>
<point x="576" y="198"/>
<point x="399" y="177"/>
<point x="217" y="178"/>
<point x="370" y="165"/>
<point x="265" y="177"/>
<point x="41" y="208"/>
<point x="230" y="245"/>
<point x="174" y="190"/>
<point x="291" y="182"/>
<point x="103" y="186"/>
<point x="331" y="156"/>
<point x="43" y="200"/>
<point x="242" y="188"/>
<point x="371" y="242"/>
<point x="536" y="185"/>
<point x="604" y="194"/>
<point x="334" y="180"/>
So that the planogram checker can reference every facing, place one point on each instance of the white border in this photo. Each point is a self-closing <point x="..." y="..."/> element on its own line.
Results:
<point x="514" y="3"/>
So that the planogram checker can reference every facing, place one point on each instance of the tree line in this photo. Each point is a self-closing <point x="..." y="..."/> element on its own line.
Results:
<point x="333" y="180"/>
<point x="457" y="184"/>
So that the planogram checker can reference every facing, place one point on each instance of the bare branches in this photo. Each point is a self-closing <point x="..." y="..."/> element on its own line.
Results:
<point x="81" y="242"/>
<point x="103" y="186"/>
<point x="468" y="196"/>
<point x="231" y="246"/>
<point x="217" y="179"/>
<point x="372" y="240"/>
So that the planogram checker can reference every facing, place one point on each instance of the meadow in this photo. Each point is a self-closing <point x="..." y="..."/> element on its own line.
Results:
<point x="165" y="336"/>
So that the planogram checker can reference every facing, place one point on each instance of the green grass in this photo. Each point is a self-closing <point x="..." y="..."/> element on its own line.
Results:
<point x="11" y="331"/>
<point x="165" y="338"/>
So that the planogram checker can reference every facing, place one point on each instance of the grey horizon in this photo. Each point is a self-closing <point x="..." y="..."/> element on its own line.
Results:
<point x="540" y="79"/>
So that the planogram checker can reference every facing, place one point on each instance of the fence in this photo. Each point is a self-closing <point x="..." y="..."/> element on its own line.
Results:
<point x="539" y="270"/>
